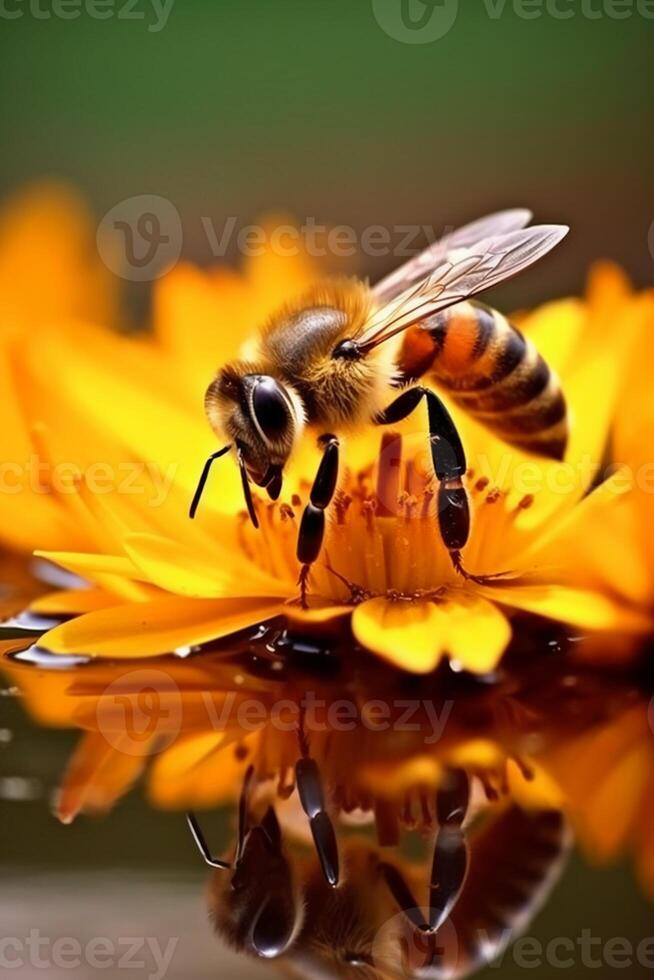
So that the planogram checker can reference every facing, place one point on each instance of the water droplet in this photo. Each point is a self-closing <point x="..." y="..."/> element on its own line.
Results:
<point x="40" y="657"/>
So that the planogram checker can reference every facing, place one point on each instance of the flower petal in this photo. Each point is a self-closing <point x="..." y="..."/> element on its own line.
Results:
<point x="187" y="571"/>
<point x="72" y="602"/>
<point x="478" y="632"/>
<point x="98" y="774"/>
<point x="410" y="635"/>
<point x="115" y="573"/>
<point x="579" y="607"/>
<point x="148" y="629"/>
<point x="201" y="770"/>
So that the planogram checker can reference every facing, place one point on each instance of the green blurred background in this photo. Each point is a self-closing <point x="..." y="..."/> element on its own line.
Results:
<point x="236" y="107"/>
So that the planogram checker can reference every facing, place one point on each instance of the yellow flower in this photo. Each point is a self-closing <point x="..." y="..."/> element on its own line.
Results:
<point x="119" y="435"/>
<point x="50" y="278"/>
<point x="627" y="533"/>
<point x="605" y="774"/>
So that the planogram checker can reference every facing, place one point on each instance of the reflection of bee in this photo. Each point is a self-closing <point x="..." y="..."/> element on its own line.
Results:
<point x="258" y="908"/>
<point x="481" y="891"/>
<point x="333" y="359"/>
<point x="357" y="931"/>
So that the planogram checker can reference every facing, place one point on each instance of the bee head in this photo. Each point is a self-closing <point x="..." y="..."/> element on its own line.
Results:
<point x="258" y="910"/>
<point x="261" y="415"/>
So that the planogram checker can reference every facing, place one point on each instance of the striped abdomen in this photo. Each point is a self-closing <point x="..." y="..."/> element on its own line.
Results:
<point x="491" y="371"/>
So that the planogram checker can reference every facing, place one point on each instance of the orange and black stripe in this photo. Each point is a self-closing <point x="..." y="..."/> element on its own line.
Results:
<point x="494" y="373"/>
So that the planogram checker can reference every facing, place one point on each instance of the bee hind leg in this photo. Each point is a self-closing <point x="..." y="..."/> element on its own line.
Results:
<point x="449" y="863"/>
<point x="449" y="463"/>
<point x="312" y="524"/>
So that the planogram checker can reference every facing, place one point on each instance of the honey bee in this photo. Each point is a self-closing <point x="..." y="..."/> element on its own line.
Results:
<point x="484" y="886"/>
<point x="335" y="359"/>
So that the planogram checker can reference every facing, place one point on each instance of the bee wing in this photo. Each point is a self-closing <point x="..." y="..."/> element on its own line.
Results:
<point x="476" y="231"/>
<point x="464" y="273"/>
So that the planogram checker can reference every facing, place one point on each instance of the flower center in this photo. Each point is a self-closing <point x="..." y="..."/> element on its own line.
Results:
<point x="383" y="536"/>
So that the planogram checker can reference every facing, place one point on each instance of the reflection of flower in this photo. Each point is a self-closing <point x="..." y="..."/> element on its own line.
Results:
<point x="119" y="436"/>
<point x="196" y="723"/>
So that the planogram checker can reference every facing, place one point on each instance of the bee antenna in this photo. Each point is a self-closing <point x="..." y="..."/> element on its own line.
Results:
<point x="247" y="493"/>
<point x="203" y="479"/>
<point x="243" y="811"/>
<point x="202" y="846"/>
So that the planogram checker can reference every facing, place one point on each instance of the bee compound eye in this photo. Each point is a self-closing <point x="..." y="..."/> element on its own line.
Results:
<point x="271" y="408"/>
<point x="273" y="929"/>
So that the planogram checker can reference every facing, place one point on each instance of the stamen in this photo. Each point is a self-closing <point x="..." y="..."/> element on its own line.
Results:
<point x="526" y="770"/>
<point x="368" y="510"/>
<point x="341" y="507"/>
<point x="427" y="499"/>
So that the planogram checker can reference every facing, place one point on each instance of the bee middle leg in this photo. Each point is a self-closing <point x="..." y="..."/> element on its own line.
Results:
<point x="312" y="525"/>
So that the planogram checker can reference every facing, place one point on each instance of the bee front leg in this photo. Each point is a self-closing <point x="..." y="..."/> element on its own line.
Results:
<point x="312" y="525"/>
<point x="312" y="798"/>
<point x="449" y="463"/>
